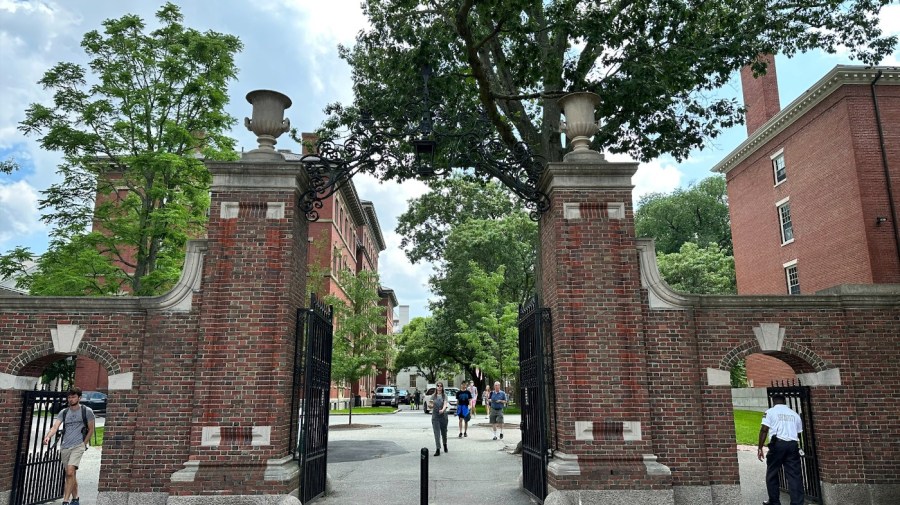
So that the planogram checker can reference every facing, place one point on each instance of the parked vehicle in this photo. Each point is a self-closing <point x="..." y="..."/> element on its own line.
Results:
<point x="429" y="398"/>
<point x="95" y="400"/>
<point x="404" y="396"/>
<point x="386" y="395"/>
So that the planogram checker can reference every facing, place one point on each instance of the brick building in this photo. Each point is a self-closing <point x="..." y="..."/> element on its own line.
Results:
<point x="813" y="191"/>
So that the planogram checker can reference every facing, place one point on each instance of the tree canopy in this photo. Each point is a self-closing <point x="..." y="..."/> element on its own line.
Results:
<point x="696" y="214"/>
<point x="653" y="63"/>
<point x="359" y="349"/>
<point x="700" y="270"/>
<point x="419" y="347"/>
<point x="132" y="128"/>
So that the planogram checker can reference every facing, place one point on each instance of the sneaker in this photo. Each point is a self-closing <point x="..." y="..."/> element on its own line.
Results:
<point x="460" y="435"/>
<point x="76" y="501"/>
<point x="495" y="437"/>
<point x="465" y="434"/>
<point x="501" y="436"/>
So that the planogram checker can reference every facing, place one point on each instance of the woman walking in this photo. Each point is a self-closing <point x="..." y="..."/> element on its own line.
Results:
<point x="439" y="418"/>
<point x="486" y="399"/>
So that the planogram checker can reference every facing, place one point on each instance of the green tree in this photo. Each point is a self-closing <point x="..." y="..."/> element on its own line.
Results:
<point x="358" y="347"/>
<point x="492" y="330"/>
<point x="451" y="201"/>
<point x="131" y="128"/>
<point x="8" y="166"/>
<point x="701" y="270"/>
<point x="696" y="214"/>
<point x="419" y="348"/>
<point x="653" y="63"/>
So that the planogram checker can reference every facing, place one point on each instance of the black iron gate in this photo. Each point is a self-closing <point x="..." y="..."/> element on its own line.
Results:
<point x="312" y="377"/>
<point x="533" y="322"/>
<point x="798" y="399"/>
<point x="38" y="476"/>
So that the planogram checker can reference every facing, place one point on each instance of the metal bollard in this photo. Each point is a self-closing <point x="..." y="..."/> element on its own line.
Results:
<point x="423" y="484"/>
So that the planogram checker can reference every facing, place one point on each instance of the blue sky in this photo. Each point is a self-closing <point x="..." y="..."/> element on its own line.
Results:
<point x="289" y="46"/>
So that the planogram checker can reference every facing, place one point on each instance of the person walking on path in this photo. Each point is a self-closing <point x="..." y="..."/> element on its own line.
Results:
<point x="417" y="398"/>
<point x="486" y="399"/>
<point x="784" y="425"/>
<point x="77" y="422"/>
<point x="463" y="401"/>
<point x="498" y="403"/>
<point x="473" y="391"/>
<point x="439" y="418"/>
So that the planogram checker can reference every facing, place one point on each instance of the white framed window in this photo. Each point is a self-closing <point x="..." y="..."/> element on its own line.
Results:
<point x="778" y="168"/>
<point x="784" y="219"/>
<point x="792" y="278"/>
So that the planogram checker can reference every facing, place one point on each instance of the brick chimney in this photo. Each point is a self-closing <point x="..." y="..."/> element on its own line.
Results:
<point x="760" y="94"/>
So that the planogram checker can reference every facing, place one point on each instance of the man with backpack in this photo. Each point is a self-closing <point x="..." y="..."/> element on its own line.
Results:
<point x="77" y="422"/>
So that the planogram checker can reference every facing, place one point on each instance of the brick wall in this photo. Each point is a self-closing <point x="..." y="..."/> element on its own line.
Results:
<point x="836" y="186"/>
<point x="762" y="370"/>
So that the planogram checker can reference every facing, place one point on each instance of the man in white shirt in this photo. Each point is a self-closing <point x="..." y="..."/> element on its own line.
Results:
<point x="785" y="426"/>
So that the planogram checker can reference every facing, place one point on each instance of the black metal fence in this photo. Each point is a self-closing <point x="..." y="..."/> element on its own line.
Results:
<point x="533" y="398"/>
<point x="313" y="378"/>
<point x="38" y="476"/>
<point x="799" y="400"/>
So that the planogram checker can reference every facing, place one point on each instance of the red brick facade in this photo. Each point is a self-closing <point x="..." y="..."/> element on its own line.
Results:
<point x="651" y="367"/>
<point x="844" y="228"/>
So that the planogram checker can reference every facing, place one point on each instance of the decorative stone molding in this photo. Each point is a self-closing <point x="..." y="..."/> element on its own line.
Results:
<point x="229" y="210"/>
<point x="770" y="336"/>
<point x="616" y="210"/>
<point x="281" y="469"/>
<point x="654" y="467"/>
<point x="716" y="377"/>
<point x="66" y="338"/>
<point x="274" y="210"/>
<point x="121" y="382"/>
<point x="181" y="297"/>
<point x="571" y="211"/>
<point x="624" y="430"/>
<point x="830" y="377"/>
<point x="211" y="436"/>
<point x="186" y="474"/>
<point x="660" y="295"/>
<point x="562" y="464"/>
<point x="839" y="76"/>
<point x="8" y="381"/>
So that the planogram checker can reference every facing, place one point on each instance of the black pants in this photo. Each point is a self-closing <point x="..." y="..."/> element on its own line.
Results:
<point x="787" y="454"/>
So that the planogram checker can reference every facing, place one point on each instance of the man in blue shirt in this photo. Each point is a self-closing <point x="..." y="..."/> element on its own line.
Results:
<point x="498" y="403"/>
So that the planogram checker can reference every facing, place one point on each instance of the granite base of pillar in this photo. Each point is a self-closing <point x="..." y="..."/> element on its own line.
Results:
<point x="722" y="494"/>
<point x="611" y="497"/>
<point x="123" y="498"/>
<point x="5" y="496"/>
<point x="864" y="494"/>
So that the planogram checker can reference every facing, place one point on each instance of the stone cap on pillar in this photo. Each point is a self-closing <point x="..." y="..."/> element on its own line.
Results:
<point x="597" y="174"/>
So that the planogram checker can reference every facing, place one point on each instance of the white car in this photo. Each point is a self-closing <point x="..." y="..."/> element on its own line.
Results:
<point x="429" y="398"/>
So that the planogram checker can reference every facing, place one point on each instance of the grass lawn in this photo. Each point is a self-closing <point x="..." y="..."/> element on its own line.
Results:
<point x="512" y="409"/>
<point x="746" y="426"/>
<point x="97" y="439"/>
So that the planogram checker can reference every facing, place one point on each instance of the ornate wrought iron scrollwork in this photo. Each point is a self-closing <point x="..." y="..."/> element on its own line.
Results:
<point x="426" y="139"/>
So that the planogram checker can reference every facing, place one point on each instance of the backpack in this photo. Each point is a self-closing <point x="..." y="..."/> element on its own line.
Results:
<point x="84" y="427"/>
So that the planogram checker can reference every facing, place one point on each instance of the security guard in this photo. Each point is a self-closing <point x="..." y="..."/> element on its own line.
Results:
<point x="785" y="427"/>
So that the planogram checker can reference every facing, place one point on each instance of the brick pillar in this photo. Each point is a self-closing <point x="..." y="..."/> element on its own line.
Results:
<point x="254" y="280"/>
<point x="591" y="283"/>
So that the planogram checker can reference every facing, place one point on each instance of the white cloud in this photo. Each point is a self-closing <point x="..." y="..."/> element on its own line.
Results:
<point x="18" y="213"/>
<point x="655" y="176"/>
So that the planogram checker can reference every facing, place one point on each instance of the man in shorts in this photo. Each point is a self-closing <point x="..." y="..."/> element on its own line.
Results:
<point x="77" y="432"/>
<point x="498" y="403"/>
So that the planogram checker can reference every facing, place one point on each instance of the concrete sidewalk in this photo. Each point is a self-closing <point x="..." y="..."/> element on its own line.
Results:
<point x="377" y="461"/>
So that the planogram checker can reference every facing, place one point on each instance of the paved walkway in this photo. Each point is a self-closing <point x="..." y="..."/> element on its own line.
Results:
<point x="379" y="464"/>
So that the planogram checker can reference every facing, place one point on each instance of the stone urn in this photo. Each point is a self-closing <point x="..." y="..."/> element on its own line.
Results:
<point x="268" y="121"/>
<point x="580" y="124"/>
